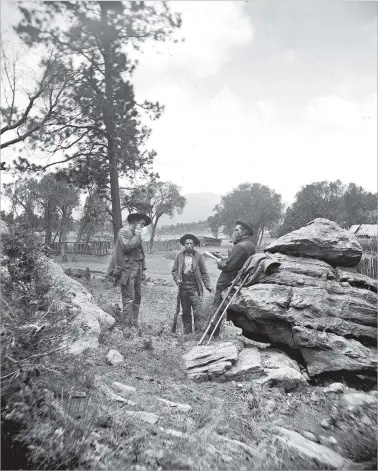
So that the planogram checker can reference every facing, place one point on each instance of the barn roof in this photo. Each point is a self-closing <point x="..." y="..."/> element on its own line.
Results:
<point x="369" y="230"/>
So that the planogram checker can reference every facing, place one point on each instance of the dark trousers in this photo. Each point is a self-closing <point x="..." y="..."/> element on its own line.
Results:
<point x="190" y="302"/>
<point x="132" y="294"/>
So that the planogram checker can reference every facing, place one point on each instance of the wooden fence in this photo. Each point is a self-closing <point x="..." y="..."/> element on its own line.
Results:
<point x="162" y="246"/>
<point x="368" y="267"/>
<point x="98" y="247"/>
<point x="105" y="247"/>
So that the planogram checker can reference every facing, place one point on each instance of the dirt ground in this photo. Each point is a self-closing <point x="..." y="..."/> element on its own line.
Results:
<point x="229" y="426"/>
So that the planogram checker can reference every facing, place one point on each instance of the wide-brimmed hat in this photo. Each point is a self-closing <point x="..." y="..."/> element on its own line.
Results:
<point x="189" y="236"/>
<point x="137" y="217"/>
<point x="246" y="226"/>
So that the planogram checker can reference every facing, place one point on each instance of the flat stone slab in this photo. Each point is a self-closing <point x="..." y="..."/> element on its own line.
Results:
<point x="175" y="405"/>
<point x="203" y="355"/>
<point x="123" y="388"/>
<point x="210" y="371"/>
<point x="143" y="416"/>
<point x="247" y="366"/>
<point x="314" y="451"/>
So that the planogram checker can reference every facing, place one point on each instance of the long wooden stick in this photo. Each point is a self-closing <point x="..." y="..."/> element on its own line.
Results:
<point x="216" y="312"/>
<point x="224" y="311"/>
<point x="222" y="303"/>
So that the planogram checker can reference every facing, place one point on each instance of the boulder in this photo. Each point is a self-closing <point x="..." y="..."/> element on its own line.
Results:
<point x="285" y="378"/>
<point x="334" y="388"/>
<point x="114" y="358"/>
<point x="321" y="239"/>
<point x="306" y="306"/>
<point x="358" y="399"/>
<point x="324" y="352"/>
<point x="89" y="319"/>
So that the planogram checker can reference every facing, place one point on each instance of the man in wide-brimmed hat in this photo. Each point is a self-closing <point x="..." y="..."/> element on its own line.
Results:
<point x="190" y="274"/>
<point x="242" y="250"/>
<point x="128" y="265"/>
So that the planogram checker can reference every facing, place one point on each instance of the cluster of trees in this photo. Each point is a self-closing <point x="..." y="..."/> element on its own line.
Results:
<point x="46" y="206"/>
<point x="346" y="204"/>
<point x="252" y="202"/>
<point x="83" y="111"/>
<point x="183" y="227"/>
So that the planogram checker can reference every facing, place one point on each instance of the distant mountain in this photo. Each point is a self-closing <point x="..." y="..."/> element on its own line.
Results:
<point x="199" y="207"/>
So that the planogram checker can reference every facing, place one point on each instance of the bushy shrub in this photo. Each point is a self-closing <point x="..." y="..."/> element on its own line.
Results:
<point x="33" y="328"/>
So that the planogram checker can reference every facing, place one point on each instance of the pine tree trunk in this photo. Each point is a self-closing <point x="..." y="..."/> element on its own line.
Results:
<point x="48" y="231"/>
<point x="153" y="232"/>
<point x="108" y="114"/>
<point x="56" y="235"/>
<point x="63" y="238"/>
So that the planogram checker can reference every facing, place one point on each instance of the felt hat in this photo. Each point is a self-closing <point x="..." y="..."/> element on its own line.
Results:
<point x="189" y="236"/>
<point x="137" y="217"/>
<point x="246" y="226"/>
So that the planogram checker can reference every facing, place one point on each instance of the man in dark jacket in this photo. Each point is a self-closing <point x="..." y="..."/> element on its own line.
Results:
<point x="190" y="274"/>
<point x="128" y="265"/>
<point x="242" y="250"/>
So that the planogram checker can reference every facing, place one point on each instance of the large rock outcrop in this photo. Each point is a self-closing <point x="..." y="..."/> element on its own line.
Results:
<point x="321" y="239"/>
<point x="89" y="319"/>
<point x="327" y="314"/>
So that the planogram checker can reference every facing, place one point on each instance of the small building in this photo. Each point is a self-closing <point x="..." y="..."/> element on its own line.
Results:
<point x="366" y="235"/>
<point x="365" y="231"/>
<point x="210" y="242"/>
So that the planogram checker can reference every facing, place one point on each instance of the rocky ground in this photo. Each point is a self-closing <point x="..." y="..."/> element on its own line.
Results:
<point x="123" y="398"/>
<point x="209" y="425"/>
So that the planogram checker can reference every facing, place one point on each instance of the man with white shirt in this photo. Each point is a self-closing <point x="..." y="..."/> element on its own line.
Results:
<point x="190" y="274"/>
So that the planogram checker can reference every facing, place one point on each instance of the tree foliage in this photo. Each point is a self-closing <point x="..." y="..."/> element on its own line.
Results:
<point x="155" y="199"/>
<point x="344" y="204"/>
<point x="48" y="92"/>
<point x="214" y="223"/>
<point x="251" y="202"/>
<point x="99" y="131"/>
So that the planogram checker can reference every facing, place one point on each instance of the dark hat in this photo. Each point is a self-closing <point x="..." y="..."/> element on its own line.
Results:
<point x="137" y="217"/>
<point x="247" y="227"/>
<point x="189" y="236"/>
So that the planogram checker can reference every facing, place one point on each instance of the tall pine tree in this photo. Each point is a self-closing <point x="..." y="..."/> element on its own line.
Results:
<point x="98" y="129"/>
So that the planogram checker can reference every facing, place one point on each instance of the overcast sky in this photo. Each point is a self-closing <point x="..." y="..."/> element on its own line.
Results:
<point x="281" y="93"/>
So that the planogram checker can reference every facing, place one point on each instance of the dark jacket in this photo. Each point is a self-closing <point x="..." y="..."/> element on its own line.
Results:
<point x="127" y="249"/>
<point x="199" y="269"/>
<point x="238" y="256"/>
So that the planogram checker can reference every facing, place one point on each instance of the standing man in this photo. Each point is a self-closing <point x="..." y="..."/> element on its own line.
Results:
<point x="190" y="274"/>
<point x="128" y="265"/>
<point x="242" y="250"/>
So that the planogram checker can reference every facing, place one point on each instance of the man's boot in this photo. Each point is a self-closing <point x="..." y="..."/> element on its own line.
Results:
<point x="136" y="308"/>
<point x="187" y="326"/>
<point x="128" y="314"/>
